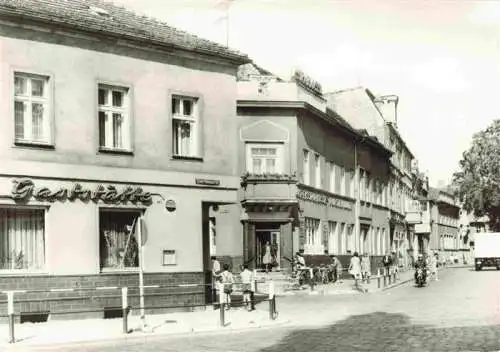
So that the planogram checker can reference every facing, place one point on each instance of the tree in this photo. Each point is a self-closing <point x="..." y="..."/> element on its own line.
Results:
<point x="477" y="182"/>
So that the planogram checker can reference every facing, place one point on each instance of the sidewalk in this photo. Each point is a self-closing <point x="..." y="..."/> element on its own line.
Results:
<point x="346" y="287"/>
<point x="61" y="332"/>
<point x="91" y="330"/>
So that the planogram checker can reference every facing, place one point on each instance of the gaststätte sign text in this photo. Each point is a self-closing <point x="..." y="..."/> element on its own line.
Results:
<point x="25" y="189"/>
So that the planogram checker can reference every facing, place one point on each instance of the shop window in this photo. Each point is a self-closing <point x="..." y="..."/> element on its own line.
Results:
<point x="22" y="239"/>
<point x="114" y="118"/>
<point x="185" y="126"/>
<point x="264" y="158"/>
<point x="118" y="239"/>
<point x="31" y="109"/>
<point x="313" y="236"/>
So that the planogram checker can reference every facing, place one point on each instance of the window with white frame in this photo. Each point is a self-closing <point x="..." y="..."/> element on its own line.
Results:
<point x="317" y="171"/>
<point x="264" y="158"/>
<point x="114" y="118"/>
<point x="351" y="183"/>
<point x="342" y="181"/>
<point x="333" y="238"/>
<point x="313" y="234"/>
<point x="306" y="168"/>
<point x="32" y="108"/>
<point x="185" y="125"/>
<point x="119" y="248"/>
<point x="331" y="172"/>
<point x="22" y="239"/>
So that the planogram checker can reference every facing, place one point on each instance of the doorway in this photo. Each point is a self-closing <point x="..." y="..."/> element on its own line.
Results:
<point x="267" y="246"/>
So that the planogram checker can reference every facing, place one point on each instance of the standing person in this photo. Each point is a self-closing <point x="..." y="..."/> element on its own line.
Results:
<point x="267" y="258"/>
<point x="387" y="262"/>
<point x="247" y="280"/>
<point x="355" y="269"/>
<point x="365" y="268"/>
<point x="215" y="279"/>
<point x="227" y="281"/>
<point x="433" y="266"/>
<point x="339" y="271"/>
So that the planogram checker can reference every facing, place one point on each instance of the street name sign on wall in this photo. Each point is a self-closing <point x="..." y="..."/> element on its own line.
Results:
<point x="207" y="182"/>
<point x="25" y="189"/>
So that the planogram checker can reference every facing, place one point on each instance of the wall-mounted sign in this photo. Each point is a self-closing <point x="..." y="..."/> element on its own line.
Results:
<point x="169" y="257"/>
<point x="25" y="189"/>
<point x="170" y="205"/>
<point x="300" y="77"/>
<point x="207" y="182"/>
<point x="324" y="199"/>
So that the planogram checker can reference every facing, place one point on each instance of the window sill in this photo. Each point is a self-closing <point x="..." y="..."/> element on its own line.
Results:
<point x="187" y="158"/>
<point x="34" y="145"/>
<point x="116" y="151"/>
<point x="119" y="271"/>
<point x="21" y="272"/>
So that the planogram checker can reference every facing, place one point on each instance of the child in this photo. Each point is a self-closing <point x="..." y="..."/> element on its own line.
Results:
<point x="227" y="281"/>
<point x="365" y="268"/>
<point x="246" y="280"/>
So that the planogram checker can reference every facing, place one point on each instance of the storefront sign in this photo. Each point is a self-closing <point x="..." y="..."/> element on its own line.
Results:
<point x="25" y="189"/>
<point x="207" y="182"/>
<point x="324" y="199"/>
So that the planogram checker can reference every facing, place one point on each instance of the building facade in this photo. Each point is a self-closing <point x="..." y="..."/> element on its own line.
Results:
<point x="106" y="135"/>
<point x="446" y="237"/>
<point x="378" y="115"/>
<point x="310" y="181"/>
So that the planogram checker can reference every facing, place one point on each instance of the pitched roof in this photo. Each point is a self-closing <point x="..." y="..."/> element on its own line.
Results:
<point x="101" y="16"/>
<point x="249" y="70"/>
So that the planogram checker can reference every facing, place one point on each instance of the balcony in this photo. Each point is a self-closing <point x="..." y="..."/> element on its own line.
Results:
<point x="269" y="187"/>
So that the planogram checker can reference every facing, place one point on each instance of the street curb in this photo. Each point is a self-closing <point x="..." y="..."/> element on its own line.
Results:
<point x="138" y="337"/>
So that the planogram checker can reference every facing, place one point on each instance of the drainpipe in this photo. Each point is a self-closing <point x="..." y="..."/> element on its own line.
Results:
<point x="357" y="241"/>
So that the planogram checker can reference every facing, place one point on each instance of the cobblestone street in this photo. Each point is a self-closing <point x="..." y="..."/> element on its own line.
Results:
<point x="458" y="313"/>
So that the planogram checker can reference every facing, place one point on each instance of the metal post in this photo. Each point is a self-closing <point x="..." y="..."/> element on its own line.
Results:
<point x="311" y="279"/>
<point x="271" y="298"/>
<point x="10" y="312"/>
<point x="222" y="306"/>
<point x="378" y="281"/>
<point x="125" y="309"/>
<point x="385" y="280"/>
<point x="141" y="273"/>
<point x="254" y="280"/>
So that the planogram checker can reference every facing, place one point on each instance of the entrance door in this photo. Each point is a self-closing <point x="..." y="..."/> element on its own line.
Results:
<point x="267" y="244"/>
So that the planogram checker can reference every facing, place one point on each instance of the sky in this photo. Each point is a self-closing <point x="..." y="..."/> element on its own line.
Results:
<point x="441" y="57"/>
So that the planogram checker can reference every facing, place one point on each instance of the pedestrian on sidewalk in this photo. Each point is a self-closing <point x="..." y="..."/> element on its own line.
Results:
<point x="355" y="269"/>
<point x="333" y="273"/>
<point x="366" y="270"/>
<point x="387" y="262"/>
<point x="215" y="279"/>
<point x="227" y="281"/>
<point x="267" y="258"/>
<point x="433" y="266"/>
<point x="247" y="279"/>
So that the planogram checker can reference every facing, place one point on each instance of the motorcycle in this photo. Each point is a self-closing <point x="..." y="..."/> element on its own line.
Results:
<point x="420" y="277"/>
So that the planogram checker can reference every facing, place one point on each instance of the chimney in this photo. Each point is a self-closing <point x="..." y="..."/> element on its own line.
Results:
<point x="388" y="106"/>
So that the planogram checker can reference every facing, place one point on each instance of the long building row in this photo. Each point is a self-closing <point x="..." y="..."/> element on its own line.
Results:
<point x="115" y="124"/>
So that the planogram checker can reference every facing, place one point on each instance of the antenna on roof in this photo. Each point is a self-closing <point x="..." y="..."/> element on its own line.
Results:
<point x="225" y="5"/>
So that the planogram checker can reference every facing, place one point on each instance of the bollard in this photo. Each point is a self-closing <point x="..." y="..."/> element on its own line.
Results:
<point x="378" y="281"/>
<point x="10" y="312"/>
<point x="125" y="309"/>
<point x="394" y="278"/>
<point x="385" y="280"/>
<point x="222" y="306"/>
<point x="311" y="279"/>
<point x="271" y="299"/>
<point x="255" y="280"/>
